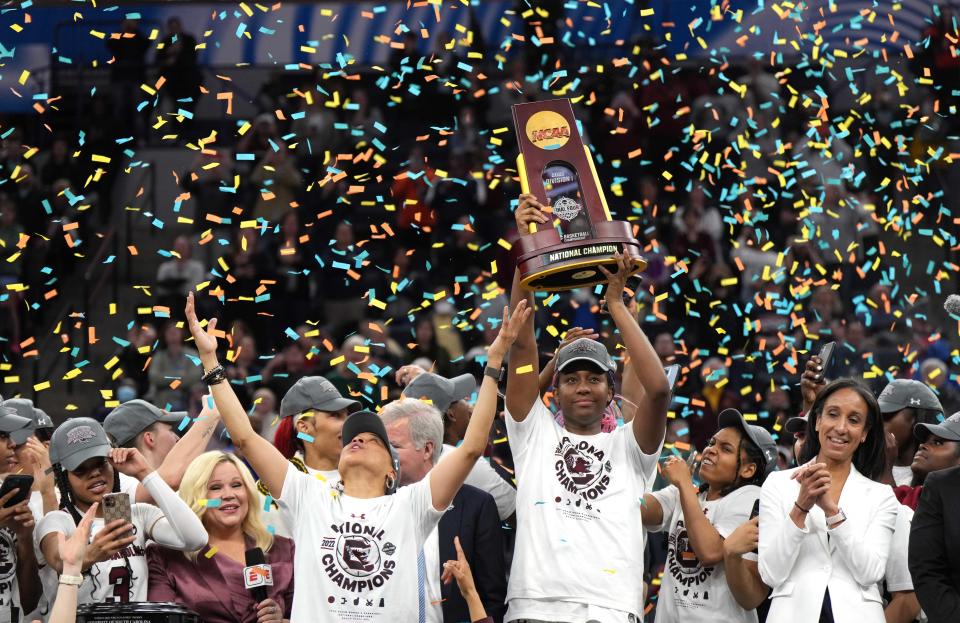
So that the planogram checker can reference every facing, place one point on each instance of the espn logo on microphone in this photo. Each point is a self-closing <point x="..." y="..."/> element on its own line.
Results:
<point x="257" y="575"/>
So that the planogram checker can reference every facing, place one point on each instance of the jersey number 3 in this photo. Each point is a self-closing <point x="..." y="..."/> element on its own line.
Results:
<point x="120" y="581"/>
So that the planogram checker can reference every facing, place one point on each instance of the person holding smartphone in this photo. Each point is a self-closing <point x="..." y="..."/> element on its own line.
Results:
<point x="114" y="568"/>
<point x="735" y="463"/>
<point x="19" y="582"/>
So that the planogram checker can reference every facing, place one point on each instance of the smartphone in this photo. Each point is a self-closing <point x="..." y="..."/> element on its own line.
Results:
<point x="116" y="506"/>
<point x="21" y="482"/>
<point x="673" y="371"/>
<point x="826" y="359"/>
<point x="754" y="513"/>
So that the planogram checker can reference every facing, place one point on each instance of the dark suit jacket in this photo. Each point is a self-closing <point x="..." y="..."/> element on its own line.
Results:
<point x="475" y="520"/>
<point x="213" y="587"/>
<point x="935" y="547"/>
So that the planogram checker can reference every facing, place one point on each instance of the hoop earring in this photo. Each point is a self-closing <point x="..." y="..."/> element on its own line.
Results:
<point x="391" y="483"/>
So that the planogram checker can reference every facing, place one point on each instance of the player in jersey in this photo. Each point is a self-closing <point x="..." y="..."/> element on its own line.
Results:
<point x="735" y="463"/>
<point x="579" y="550"/>
<point x="87" y="468"/>
<point x="359" y="544"/>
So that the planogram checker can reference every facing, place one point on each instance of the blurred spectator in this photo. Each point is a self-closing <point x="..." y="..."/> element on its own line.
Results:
<point x="127" y="72"/>
<point x="288" y="255"/>
<point x="936" y="374"/>
<point x="714" y="396"/>
<point x="177" y="61"/>
<point x="265" y="417"/>
<point x="278" y="182"/>
<point x="425" y="345"/>
<point x="172" y="372"/>
<point x="180" y="275"/>
<point x="60" y="164"/>
<point x="135" y="356"/>
<point x="342" y="302"/>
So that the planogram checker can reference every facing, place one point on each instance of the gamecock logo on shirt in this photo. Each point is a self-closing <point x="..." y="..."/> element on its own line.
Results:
<point x="358" y="558"/>
<point x="582" y="468"/>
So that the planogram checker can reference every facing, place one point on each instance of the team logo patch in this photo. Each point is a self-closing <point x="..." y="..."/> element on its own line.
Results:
<point x="358" y="558"/>
<point x="80" y="434"/>
<point x="582" y="468"/>
<point x="683" y="563"/>
<point x="566" y="208"/>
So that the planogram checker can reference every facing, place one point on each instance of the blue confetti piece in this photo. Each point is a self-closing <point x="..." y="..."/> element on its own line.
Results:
<point x="305" y="437"/>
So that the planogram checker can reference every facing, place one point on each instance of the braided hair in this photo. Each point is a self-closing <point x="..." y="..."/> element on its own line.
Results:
<point x="67" y="501"/>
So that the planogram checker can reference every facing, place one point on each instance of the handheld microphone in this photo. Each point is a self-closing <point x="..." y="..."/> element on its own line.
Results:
<point x="952" y="305"/>
<point x="257" y="575"/>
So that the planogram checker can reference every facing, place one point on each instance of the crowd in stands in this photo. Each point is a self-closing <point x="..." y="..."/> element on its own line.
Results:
<point x="343" y="406"/>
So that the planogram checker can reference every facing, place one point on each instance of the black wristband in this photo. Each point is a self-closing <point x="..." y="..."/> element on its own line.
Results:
<point x="494" y="373"/>
<point x="805" y="510"/>
<point x="217" y="375"/>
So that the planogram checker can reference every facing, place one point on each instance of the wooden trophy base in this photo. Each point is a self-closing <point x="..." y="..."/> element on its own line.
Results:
<point x="548" y="264"/>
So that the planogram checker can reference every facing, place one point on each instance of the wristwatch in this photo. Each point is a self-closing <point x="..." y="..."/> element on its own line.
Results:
<point x="840" y="517"/>
<point x="494" y="373"/>
<point x="71" y="580"/>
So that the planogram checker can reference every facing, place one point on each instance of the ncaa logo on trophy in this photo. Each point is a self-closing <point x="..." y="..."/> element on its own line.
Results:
<point x="557" y="168"/>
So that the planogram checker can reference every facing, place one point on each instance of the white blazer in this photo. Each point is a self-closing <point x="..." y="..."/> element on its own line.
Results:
<point x="800" y="564"/>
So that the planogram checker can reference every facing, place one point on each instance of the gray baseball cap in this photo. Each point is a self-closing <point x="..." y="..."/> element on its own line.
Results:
<point x="796" y="424"/>
<point x="77" y="440"/>
<point x="757" y="434"/>
<point x="18" y="428"/>
<point x="949" y="429"/>
<point x="904" y="393"/>
<point x="585" y="349"/>
<point x="25" y="408"/>
<point x="317" y="393"/>
<point x="135" y="416"/>
<point x="440" y="391"/>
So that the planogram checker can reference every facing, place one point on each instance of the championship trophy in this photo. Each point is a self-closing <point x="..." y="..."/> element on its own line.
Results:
<point x="557" y="168"/>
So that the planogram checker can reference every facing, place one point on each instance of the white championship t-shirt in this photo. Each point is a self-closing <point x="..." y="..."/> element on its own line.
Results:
<point x="10" y="609"/>
<point x="361" y="557"/>
<point x="579" y="549"/>
<point x="690" y="592"/>
<point x="897" y="575"/>
<point x="902" y="475"/>
<point x="278" y="519"/>
<point x="121" y="579"/>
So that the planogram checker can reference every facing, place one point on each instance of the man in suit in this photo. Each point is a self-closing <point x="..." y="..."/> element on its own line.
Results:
<point x="415" y="429"/>
<point x="934" y="556"/>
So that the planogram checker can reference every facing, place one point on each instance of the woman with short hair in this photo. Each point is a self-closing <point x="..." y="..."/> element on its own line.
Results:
<point x="219" y="488"/>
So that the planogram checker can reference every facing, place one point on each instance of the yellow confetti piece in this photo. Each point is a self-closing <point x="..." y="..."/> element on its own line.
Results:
<point x="527" y="369"/>
<point x="39" y="387"/>
<point x="210" y="553"/>
<point x="23" y="76"/>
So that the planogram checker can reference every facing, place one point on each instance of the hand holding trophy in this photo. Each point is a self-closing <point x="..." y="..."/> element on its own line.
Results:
<point x="556" y="169"/>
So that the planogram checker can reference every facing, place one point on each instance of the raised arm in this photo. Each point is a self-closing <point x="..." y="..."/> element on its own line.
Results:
<point x="522" y="389"/>
<point x="190" y="446"/>
<point x="743" y="575"/>
<point x="650" y="421"/>
<point x="449" y="474"/>
<point x="266" y="460"/>
<point x="706" y="541"/>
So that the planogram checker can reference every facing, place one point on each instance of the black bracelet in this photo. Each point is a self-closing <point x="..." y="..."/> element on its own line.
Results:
<point x="805" y="510"/>
<point x="217" y="375"/>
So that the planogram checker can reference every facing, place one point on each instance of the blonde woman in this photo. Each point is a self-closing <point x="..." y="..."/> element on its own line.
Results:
<point x="220" y="490"/>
